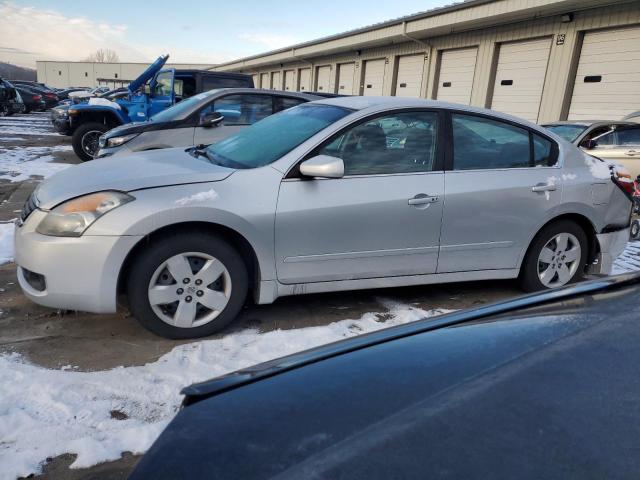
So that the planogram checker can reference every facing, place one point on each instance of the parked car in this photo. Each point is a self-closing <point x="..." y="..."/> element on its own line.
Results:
<point x="5" y="106"/>
<point x="202" y="119"/>
<point x="11" y="104"/>
<point x="153" y="91"/>
<point x="317" y="198"/>
<point x="31" y="83"/>
<point x="63" y="94"/>
<point x="50" y="98"/>
<point x="536" y="387"/>
<point x="32" y="100"/>
<point x="633" y="117"/>
<point x="610" y="140"/>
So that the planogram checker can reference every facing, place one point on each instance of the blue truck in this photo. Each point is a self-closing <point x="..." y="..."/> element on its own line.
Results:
<point x="153" y="91"/>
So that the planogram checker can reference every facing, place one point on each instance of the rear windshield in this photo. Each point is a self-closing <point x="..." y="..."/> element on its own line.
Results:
<point x="269" y="139"/>
<point x="568" y="132"/>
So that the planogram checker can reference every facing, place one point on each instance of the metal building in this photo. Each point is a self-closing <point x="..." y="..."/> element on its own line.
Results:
<point x="542" y="60"/>
<point x="92" y="74"/>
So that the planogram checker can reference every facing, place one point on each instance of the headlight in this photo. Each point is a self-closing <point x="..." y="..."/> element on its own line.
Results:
<point x="72" y="218"/>
<point x="117" y="141"/>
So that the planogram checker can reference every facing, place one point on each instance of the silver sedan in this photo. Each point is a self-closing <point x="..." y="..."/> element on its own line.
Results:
<point x="338" y="194"/>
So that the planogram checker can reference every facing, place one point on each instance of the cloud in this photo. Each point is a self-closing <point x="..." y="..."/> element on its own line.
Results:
<point x="28" y="34"/>
<point x="270" y="41"/>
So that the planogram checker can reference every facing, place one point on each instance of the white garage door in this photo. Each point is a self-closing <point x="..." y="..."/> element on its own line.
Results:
<point x="305" y="79"/>
<point x="409" y="80"/>
<point x="289" y="81"/>
<point x="323" y="78"/>
<point x="373" y="77"/>
<point x="455" y="82"/>
<point x="522" y="67"/>
<point x="265" y="81"/>
<point x="345" y="78"/>
<point x="607" y="84"/>
<point x="276" y="84"/>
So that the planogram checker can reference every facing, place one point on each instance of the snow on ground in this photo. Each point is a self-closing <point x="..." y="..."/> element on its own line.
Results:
<point x="45" y="413"/>
<point x="6" y="244"/>
<point x="629" y="260"/>
<point x="19" y="163"/>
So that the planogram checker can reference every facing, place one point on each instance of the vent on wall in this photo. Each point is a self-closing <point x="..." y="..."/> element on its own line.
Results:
<point x="506" y="82"/>
<point x="593" y="79"/>
<point x="446" y="84"/>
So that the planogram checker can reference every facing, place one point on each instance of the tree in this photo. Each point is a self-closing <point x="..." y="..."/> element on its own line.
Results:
<point x="103" y="55"/>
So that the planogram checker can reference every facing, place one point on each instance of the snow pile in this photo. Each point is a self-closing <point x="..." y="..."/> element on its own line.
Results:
<point x="45" y="413"/>
<point x="20" y="163"/>
<point x="6" y="243"/>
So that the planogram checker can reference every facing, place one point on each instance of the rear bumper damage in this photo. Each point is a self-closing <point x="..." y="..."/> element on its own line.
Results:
<point x="610" y="246"/>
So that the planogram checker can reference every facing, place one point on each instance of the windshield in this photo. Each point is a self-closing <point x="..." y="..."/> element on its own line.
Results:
<point x="568" y="132"/>
<point x="269" y="139"/>
<point x="181" y="110"/>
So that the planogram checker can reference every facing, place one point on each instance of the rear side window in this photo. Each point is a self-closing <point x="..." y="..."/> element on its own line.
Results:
<point x="210" y="82"/>
<point x="481" y="143"/>
<point x="629" y="136"/>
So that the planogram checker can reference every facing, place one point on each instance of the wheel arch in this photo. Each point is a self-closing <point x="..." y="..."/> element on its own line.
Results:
<point x="582" y="221"/>
<point x="234" y="238"/>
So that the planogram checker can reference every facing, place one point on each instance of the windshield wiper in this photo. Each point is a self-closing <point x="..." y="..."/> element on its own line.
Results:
<point x="201" y="151"/>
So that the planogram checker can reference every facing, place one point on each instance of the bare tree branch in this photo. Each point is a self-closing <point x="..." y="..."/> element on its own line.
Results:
<point x="103" y="55"/>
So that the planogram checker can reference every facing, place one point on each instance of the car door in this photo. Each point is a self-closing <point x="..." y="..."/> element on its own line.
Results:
<point x="623" y="148"/>
<point x="501" y="183"/>
<point x="381" y="219"/>
<point x="238" y="110"/>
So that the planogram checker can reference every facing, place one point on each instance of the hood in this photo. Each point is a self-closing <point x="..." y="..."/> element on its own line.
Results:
<point x="154" y="168"/>
<point x="154" y="68"/>
<point x="139" y="127"/>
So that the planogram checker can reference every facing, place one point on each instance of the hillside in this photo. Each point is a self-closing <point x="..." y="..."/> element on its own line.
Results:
<point x="14" y="72"/>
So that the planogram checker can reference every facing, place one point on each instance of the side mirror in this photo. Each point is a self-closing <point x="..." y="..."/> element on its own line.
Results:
<point x="323" y="166"/>
<point x="212" y="119"/>
<point x="589" y="144"/>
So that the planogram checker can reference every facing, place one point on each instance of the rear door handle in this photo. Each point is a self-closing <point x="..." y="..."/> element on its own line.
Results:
<point x="422" y="199"/>
<point x="544" y="187"/>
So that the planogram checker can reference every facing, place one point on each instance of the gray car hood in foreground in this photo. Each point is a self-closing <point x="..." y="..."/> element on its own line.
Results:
<point x="155" y="168"/>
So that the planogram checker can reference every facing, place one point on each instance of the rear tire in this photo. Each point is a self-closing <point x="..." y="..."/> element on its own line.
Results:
<point x="85" y="139"/>
<point x="187" y="285"/>
<point x="556" y="257"/>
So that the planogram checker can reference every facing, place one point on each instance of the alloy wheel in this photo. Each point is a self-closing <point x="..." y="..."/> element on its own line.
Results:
<point x="90" y="142"/>
<point x="189" y="289"/>
<point x="559" y="260"/>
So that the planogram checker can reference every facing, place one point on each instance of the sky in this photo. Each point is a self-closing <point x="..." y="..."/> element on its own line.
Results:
<point x="190" y="31"/>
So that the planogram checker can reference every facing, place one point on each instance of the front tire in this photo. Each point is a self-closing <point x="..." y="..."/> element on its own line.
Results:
<point x="85" y="140"/>
<point x="187" y="286"/>
<point x="557" y="256"/>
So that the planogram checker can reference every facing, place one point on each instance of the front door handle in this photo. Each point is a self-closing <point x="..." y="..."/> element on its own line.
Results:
<point x="632" y="153"/>
<point x="544" y="187"/>
<point x="422" y="199"/>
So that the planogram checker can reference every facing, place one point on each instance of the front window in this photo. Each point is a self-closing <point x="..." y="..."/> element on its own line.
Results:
<point x="242" y="109"/>
<point x="568" y="132"/>
<point x="268" y="140"/>
<point x="397" y="143"/>
<point x="164" y="84"/>
<point x="181" y="110"/>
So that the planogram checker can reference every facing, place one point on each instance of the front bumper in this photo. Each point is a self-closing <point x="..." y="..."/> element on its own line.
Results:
<point x="61" y="124"/>
<point x="80" y="273"/>
<point x="112" y="151"/>
<point x="611" y="245"/>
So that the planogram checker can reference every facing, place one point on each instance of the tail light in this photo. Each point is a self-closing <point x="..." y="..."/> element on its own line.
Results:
<point x="37" y="98"/>
<point x="622" y="178"/>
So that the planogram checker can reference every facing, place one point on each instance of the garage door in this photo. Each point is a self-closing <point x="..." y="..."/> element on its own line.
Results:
<point x="305" y="79"/>
<point x="522" y="67"/>
<point x="409" y="79"/>
<point x="373" y="77"/>
<point x="323" y="78"/>
<point x="455" y="82"/>
<point x="345" y="78"/>
<point x="607" y="84"/>
<point x="276" y="84"/>
<point x="265" y="81"/>
<point x="289" y="81"/>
